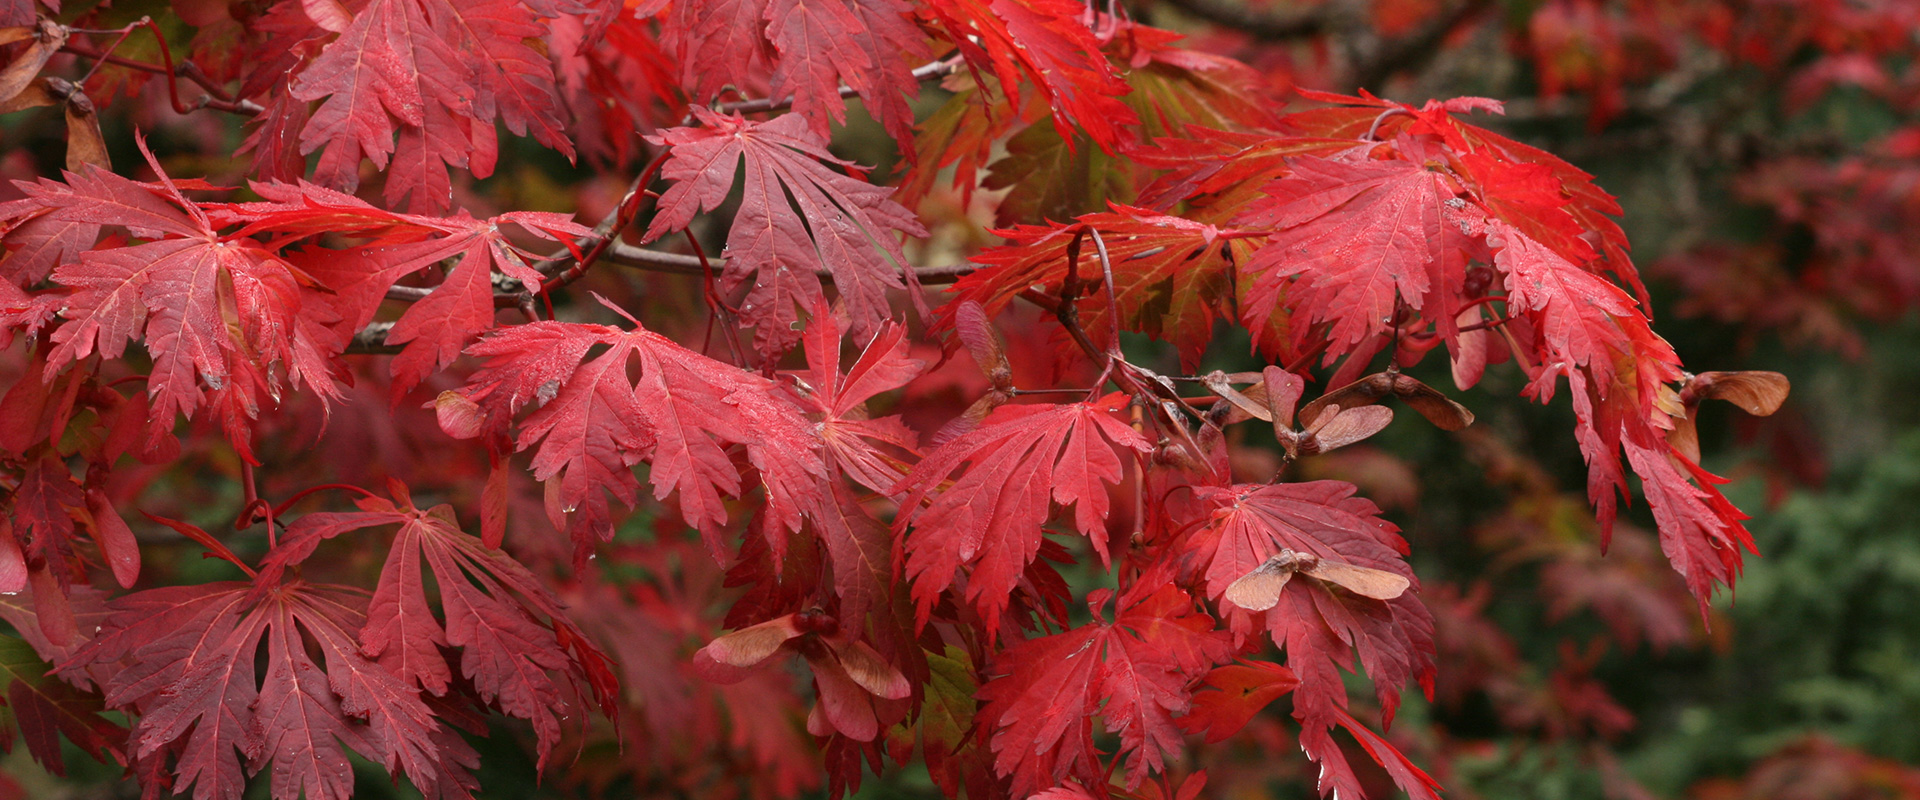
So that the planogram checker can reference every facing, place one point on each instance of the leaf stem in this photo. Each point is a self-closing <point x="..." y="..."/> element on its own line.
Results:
<point x="608" y="231"/>
<point x="281" y="509"/>
<point x="217" y="98"/>
<point x="1481" y="326"/>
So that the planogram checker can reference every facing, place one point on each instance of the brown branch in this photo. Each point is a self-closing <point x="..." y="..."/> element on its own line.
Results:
<point x="216" y="98"/>
<point x="557" y="269"/>
<point x="372" y="340"/>
<point x="640" y="258"/>
<point x="923" y="73"/>
<point x="1266" y="26"/>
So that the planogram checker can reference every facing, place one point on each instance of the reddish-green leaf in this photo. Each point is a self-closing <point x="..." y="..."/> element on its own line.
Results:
<point x="45" y="709"/>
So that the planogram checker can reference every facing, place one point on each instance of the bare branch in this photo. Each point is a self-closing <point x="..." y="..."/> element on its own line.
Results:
<point x="372" y="340"/>
<point x="930" y="71"/>
<point x="640" y="258"/>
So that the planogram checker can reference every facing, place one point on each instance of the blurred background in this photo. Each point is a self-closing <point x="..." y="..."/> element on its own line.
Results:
<point x="1767" y="156"/>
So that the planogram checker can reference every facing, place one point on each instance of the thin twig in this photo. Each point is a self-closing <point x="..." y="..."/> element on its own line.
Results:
<point x="1481" y="326"/>
<point x="1113" y="300"/>
<point x="605" y="234"/>
<point x="640" y="258"/>
<point x="217" y="99"/>
<point x="925" y="72"/>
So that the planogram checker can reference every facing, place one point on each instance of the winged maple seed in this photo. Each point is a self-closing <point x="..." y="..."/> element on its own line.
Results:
<point x="1259" y="590"/>
<point x="1330" y="428"/>
<point x="989" y="353"/>
<point x="1757" y="393"/>
<point x="855" y="682"/>
<point x="1439" y="409"/>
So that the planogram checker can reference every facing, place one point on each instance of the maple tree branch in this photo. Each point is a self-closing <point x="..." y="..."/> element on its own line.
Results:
<point x="372" y="340"/>
<point x="217" y="98"/>
<point x="1268" y="26"/>
<point x="925" y="72"/>
<point x="1481" y="326"/>
<point x="641" y="258"/>
<point x="604" y="234"/>
<point x="1069" y="318"/>
<point x="630" y="256"/>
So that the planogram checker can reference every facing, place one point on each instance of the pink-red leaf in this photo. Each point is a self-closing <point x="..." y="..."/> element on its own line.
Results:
<point x="492" y="606"/>
<point x="841" y="221"/>
<point x="1320" y="626"/>
<point x="852" y="439"/>
<point x="680" y="415"/>
<point x="1133" y="673"/>
<point x="1349" y="240"/>
<point x="226" y="314"/>
<point x="1024" y="459"/>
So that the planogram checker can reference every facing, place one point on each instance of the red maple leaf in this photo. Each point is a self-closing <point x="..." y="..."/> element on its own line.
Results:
<point x="841" y="221"/>
<point x="39" y="510"/>
<point x="1350" y="239"/>
<point x="1172" y="277"/>
<point x="1216" y="173"/>
<point x="812" y="48"/>
<point x="1044" y="44"/>
<point x="1018" y="463"/>
<point x="1132" y="672"/>
<point x="212" y="310"/>
<point x="1617" y="369"/>
<point x="1503" y="171"/>
<point x="1239" y="692"/>
<point x="595" y="423"/>
<point x="849" y="435"/>
<point x="491" y="605"/>
<point x="1321" y="627"/>
<point x="192" y="680"/>
<point x="437" y="74"/>
<point x="32" y="241"/>
<point x="433" y="329"/>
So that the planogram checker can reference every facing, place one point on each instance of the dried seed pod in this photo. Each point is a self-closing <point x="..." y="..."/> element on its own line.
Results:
<point x="1260" y="589"/>
<point x="1439" y="409"/>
